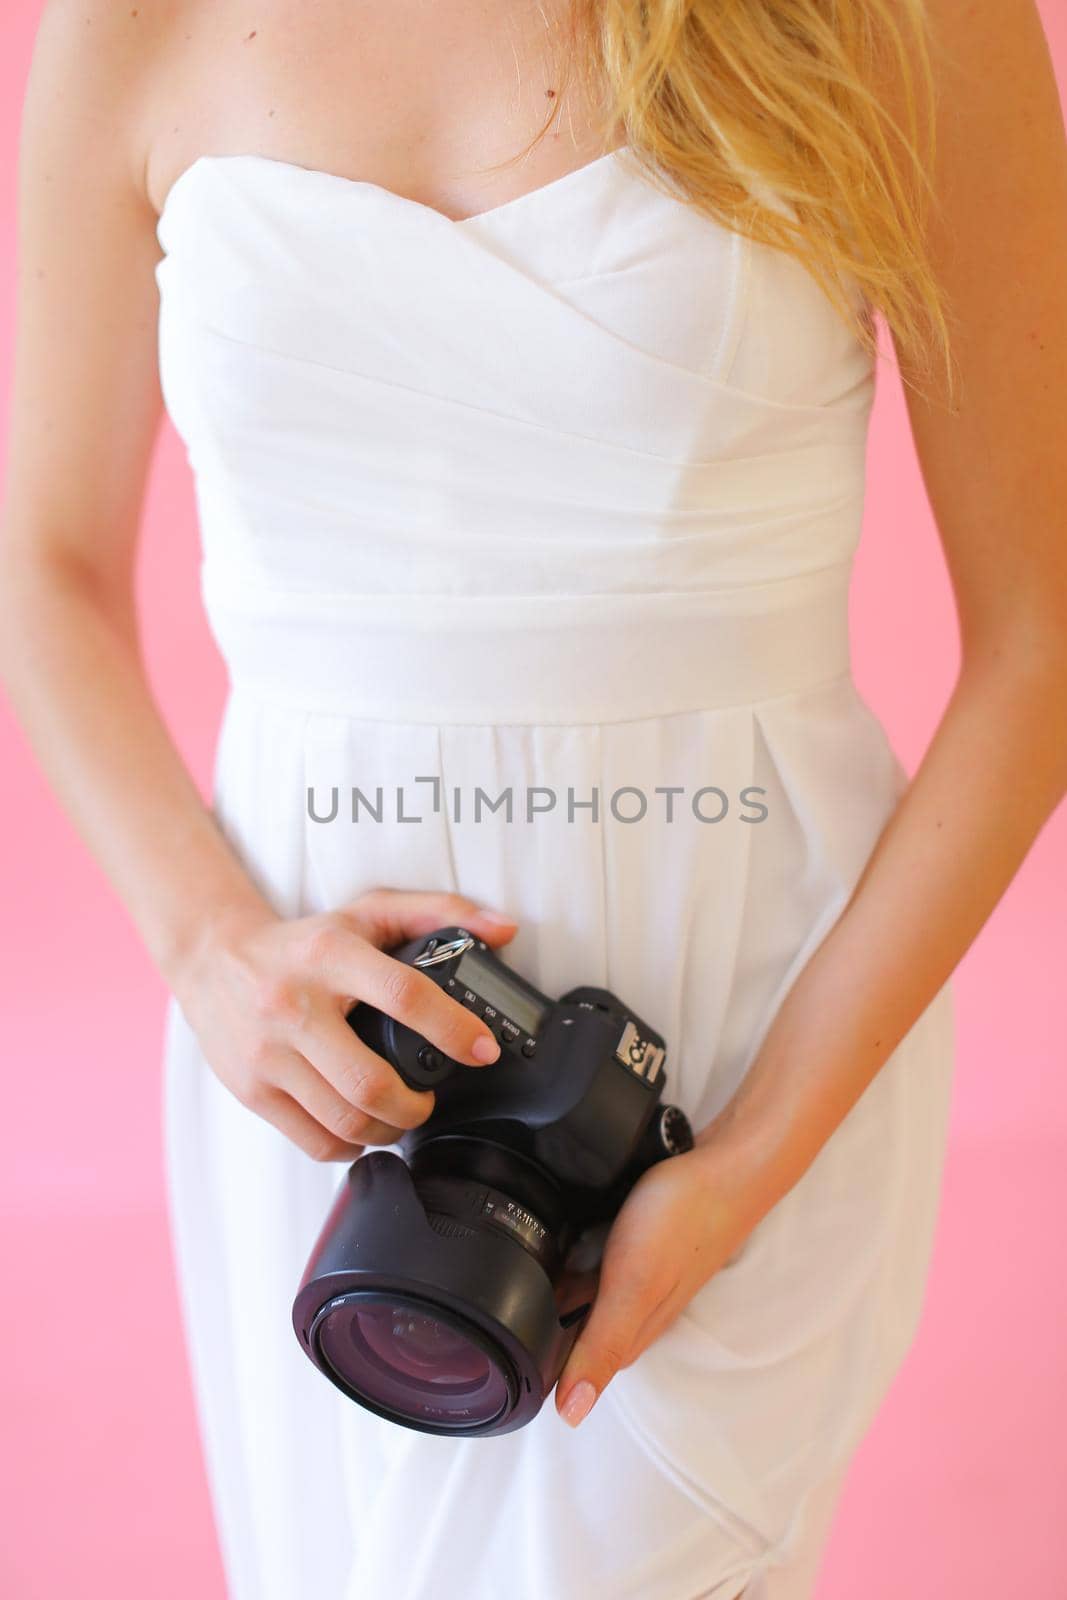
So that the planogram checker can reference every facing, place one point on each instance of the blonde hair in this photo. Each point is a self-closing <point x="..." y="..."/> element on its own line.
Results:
<point x="711" y="93"/>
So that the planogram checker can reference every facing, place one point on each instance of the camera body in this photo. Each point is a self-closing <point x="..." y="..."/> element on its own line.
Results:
<point x="582" y="1076"/>
<point x="432" y="1294"/>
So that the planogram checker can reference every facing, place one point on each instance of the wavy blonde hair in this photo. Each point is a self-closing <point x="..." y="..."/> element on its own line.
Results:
<point x="712" y="92"/>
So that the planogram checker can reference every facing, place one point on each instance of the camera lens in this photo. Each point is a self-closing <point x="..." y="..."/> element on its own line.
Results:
<point x="411" y="1360"/>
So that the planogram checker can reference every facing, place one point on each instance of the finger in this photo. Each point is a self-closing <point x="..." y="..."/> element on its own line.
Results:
<point x="279" y="1109"/>
<point x="359" y="1078"/>
<point x="624" y="1304"/>
<point x="354" y="967"/>
<point x="391" y="916"/>
<point x="337" y="1116"/>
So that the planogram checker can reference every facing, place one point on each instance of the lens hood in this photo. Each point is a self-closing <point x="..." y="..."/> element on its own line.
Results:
<point x="442" y="1318"/>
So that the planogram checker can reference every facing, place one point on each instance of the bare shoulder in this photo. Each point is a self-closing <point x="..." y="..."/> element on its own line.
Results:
<point x="997" y="224"/>
<point x="85" y="388"/>
<point x="95" y="81"/>
<point x="994" y="464"/>
<point x="962" y="33"/>
<point x="998" y="112"/>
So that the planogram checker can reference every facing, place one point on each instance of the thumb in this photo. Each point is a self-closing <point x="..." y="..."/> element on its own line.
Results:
<point x="601" y="1349"/>
<point x="388" y="917"/>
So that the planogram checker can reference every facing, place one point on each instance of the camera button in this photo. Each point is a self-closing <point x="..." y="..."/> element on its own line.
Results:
<point x="428" y="1058"/>
<point x="529" y="1046"/>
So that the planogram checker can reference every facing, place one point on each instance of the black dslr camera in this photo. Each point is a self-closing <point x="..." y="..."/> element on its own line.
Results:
<point x="431" y="1296"/>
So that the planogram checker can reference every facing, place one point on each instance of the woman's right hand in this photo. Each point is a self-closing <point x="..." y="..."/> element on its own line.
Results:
<point x="267" y="1000"/>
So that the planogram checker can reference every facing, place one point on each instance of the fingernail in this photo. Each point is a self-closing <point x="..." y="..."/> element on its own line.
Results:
<point x="485" y="1048"/>
<point x="498" y="916"/>
<point x="578" y="1403"/>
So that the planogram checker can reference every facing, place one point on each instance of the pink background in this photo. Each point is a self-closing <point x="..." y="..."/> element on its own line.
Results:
<point x="957" y="1491"/>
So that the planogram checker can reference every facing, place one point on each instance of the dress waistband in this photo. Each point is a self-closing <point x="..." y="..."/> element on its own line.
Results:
<point x="536" y="659"/>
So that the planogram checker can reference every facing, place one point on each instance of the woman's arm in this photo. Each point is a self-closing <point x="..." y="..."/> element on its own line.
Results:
<point x="996" y="473"/>
<point x="266" y="998"/>
<point x="85" y="407"/>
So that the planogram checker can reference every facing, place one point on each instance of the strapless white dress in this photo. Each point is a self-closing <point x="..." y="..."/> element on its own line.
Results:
<point x="558" y="501"/>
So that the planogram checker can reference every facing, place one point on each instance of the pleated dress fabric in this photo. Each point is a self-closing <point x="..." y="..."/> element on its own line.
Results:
<point x="560" y="503"/>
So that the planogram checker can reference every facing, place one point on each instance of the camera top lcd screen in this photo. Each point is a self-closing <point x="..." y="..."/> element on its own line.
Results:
<point x="493" y="986"/>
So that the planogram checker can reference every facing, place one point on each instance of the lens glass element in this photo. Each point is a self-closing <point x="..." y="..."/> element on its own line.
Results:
<point x="411" y="1360"/>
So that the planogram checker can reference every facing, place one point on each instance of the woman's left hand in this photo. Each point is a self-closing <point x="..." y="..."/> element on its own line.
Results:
<point x="683" y="1220"/>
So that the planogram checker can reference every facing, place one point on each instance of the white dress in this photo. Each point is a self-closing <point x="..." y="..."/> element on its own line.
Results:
<point x="561" y="499"/>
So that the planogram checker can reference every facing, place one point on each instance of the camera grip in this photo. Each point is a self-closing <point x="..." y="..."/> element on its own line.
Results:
<point x="411" y="1057"/>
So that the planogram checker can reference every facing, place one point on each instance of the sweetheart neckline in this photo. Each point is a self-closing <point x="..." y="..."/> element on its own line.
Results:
<point x="544" y="190"/>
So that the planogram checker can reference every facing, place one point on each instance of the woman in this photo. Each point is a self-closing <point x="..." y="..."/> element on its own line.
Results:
<point x="546" y="478"/>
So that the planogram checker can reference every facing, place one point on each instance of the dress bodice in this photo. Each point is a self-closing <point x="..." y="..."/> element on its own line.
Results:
<point x="592" y="389"/>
